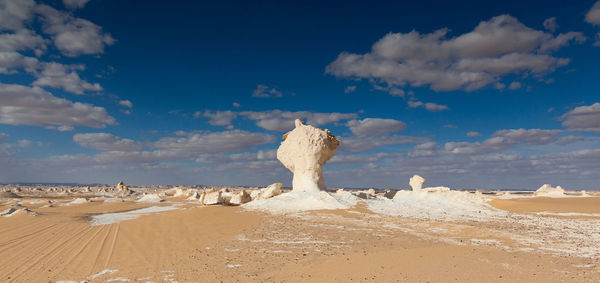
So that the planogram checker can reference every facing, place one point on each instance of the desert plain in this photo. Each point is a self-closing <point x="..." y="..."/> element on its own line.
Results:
<point x="78" y="234"/>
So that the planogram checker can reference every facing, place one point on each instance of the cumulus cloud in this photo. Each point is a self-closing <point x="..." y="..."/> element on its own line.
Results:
<point x="62" y="76"/>
<point x="350" y="89"/>
<point x="126" y="103"/>
<point x="74" y="4"/>
<point x="71" y="35"/>
<point x="218" y="118"/>
<point x="13" y="13"/>
<point x="550" y="24"/>
<point x="425" y="149"/>
<point x="496" y="48"/>
<point x="11" y="61"/>
<point x="368" y="143"/>
<point x="228" y="141"/>
<point x="430" y="106"/>
<point x="23" y="105"/>
<point x="266" y="91"/>
<point x="534" y="136"/>
<point x="278" y="120"/>
<point x="583" y="118"/>
<point x="473" y="134"/>
<point x="593" y="17"/>
<point x="514" y="85"/>
<point x="503" y="139"/>
<point x="22" y="40"/>
<point x="373" y="126"/>
<point x="105" y="141"/>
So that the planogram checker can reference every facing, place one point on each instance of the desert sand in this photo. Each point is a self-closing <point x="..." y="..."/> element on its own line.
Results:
<point x="198" y="243"/>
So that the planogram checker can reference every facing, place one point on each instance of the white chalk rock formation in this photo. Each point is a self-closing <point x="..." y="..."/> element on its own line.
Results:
<point x="213" y="198"/>
<point x="240" y="197"/>
<point x="548" y="191"/>
<point x="270" y="191"/>
<point x="304" y="151"/>
<point x="121" y="186"/>
<point x="416" y="182"/>
<point x="151" y="198"/>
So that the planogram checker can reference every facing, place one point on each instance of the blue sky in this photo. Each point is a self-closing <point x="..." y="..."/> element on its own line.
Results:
<point x="468" y="95"/>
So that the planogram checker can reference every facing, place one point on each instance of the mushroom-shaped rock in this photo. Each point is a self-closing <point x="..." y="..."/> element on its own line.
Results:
<point x="416" y="182"/>
<point x="304" y="152"/>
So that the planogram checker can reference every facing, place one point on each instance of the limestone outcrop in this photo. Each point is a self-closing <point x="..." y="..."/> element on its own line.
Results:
<point x="548" y="191"/>
<point x="239" y="197"/>
<point x="416" y="182"/>
<point x="304" y="151"/>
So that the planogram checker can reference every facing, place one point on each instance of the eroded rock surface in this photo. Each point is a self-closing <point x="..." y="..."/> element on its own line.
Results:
<point x="304" y="152"/>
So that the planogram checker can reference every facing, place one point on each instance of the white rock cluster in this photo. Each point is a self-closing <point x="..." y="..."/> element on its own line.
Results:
<point x="548" y="191"/>
<point x="304" y="151"/>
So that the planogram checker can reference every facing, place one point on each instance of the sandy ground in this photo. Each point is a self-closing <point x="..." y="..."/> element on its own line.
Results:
<point x="544" y="204"/>
<point x="229" y="244"/>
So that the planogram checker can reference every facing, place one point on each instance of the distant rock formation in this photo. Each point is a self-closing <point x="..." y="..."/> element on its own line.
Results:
<point x="416" y="182"/>
<point x="548" y="191"/>
<point x="150" y="198"/>
<point x="304" y="151"/>
<point x="121" y="186"/>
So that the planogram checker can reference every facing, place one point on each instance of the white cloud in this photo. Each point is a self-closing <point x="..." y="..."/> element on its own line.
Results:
<point x="126" y="103"/>
<point x="24" y="143"/>
<point x="22" y="40"/>
<point x="23" y="105"/>
<point x="583" y="118"/>
<point x="73" y="36"/>
<point x="368" y="143"/>
<point x="425" y="149"/>
<point x="503" y="139"/>
<point x="105" y="141"/>
<point x="494" y="144"/>
<point x="14" y="12"/>
<point x="228" y="141"/>
<point x="534" y="136"/>
<point x="593" y="17"/>
<point x="62" y="76"/>
<point x="74" y="4"/>
<point x="266" y="91"/>
<point x="236" y="105"/>
<point x="277" y="120"/>
<point x="10" y="61"/>
<point x="430" y="106"/>
<point x="473" y="134"/>
<point x="372" y="126"/>
<point x="218" y="118"/>
<point x="550" y="24"/>
<point x="495" y="48"/>
<point x="514" y="85"/>
<point x="349" y="89"/>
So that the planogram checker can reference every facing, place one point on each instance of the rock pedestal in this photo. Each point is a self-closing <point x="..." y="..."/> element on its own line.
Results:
<point x="416" y="182"/>
<point x="304" y="152"/>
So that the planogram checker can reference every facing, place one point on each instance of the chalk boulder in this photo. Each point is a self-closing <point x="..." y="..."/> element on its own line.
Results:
<point x="240" y="197"/>
<point x="212" y="198"/>
<point x="416" y="182"/>
<point x="151" y="198"/>
<point x="304" y="151"/>
<point x="270" y="191"/>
